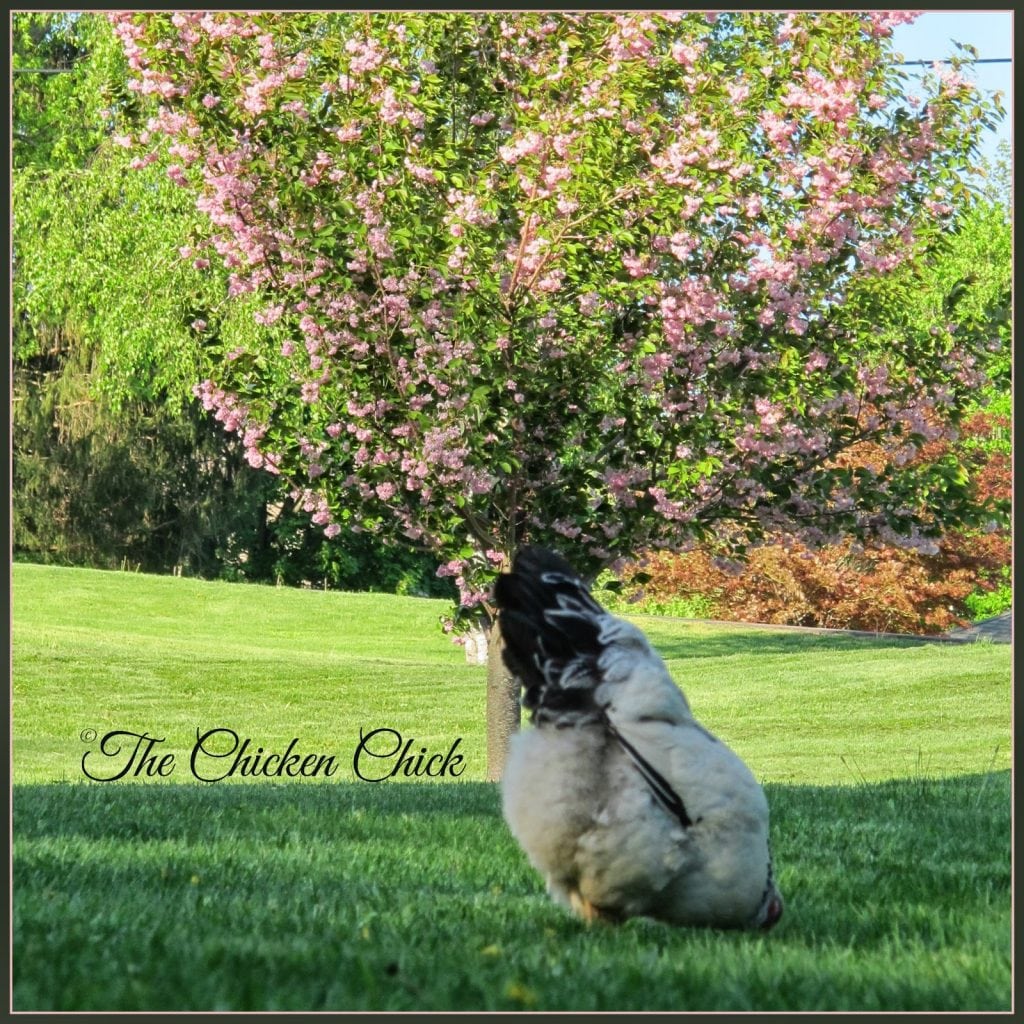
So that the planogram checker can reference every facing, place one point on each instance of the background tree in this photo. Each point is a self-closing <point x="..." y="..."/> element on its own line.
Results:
<point x="111" y="475"/>
<point x="115" y="464"/>
<point x="608" y="282"/>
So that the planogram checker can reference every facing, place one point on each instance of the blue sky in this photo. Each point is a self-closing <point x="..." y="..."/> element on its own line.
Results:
<point x="991" y="32"/>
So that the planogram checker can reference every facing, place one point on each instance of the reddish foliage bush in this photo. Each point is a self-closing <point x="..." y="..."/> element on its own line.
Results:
<point x="846" y="586"/>
<point x="840" y="587"/>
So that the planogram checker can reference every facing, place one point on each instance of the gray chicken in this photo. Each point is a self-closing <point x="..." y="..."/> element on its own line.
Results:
<point x="619" y="798"/>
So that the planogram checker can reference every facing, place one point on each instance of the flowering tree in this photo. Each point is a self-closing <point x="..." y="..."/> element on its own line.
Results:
<point x="602" y="281"/>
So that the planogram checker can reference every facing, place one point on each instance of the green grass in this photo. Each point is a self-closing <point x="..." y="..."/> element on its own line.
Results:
<point x="103" y="651"/>
<point x="886" y="767"/>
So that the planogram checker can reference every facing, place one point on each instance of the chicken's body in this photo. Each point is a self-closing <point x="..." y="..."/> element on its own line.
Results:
<point x="623" y="802"/>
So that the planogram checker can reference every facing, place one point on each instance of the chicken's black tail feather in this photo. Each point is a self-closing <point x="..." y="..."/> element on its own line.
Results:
<point x="550" y="628"/>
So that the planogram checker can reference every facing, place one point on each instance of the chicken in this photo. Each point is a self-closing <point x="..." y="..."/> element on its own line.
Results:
<point x="618" y="796"/>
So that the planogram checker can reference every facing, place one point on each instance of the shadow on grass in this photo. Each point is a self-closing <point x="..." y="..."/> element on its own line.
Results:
<point x="163" y="810"/>
<point x="901" y="819"/>
<point x="326" y="895"/>
<point x="714" y="641"/>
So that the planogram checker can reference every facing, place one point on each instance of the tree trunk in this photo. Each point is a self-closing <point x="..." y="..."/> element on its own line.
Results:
<point x="502" y="706"/>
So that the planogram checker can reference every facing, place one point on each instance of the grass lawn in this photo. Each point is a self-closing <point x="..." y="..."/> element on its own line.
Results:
<point x="886" y="766"/>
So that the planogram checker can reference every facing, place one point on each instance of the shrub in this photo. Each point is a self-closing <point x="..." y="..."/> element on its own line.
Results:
<point x="849" y="586"/>
<point x="984" y="604"/>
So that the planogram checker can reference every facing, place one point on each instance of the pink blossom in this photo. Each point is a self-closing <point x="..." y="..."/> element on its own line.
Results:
<point x="875" y="381"/>
<point x="183" y="152"/>
<point x="379" y="244"/>
<point x="553" y="174"/>
<point x="391" y="110"/>
<point x="881" y="23"/>
<point x="637" y="266"/>
<point x="296" y="107"/>
<point x="269" y="316"/>
<point x="752" y="206"/>
<point x="421" y="173"/>
<point x="366" y="55"/>
<point x="529" y="144"/>
<point x="738" y="92"/>
<point x="552" y="281"/>
<point x="687" y="55"/>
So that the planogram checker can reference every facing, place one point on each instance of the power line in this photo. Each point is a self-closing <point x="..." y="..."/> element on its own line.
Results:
<point x="966" y="63"/>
